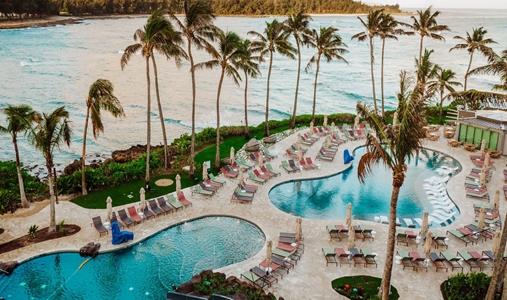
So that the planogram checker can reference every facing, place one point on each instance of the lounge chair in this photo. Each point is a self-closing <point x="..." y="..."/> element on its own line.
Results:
<point x="208" y="187"/>
<point x="217" y="180"/>
<point x="268" y="172"/>
<point x="285" y="165"/>
<point x="265" y="276"/>
<point x="243" y="194"/>
<point x="251" y="188"/>
<point x="482" y="261"/>
<point x="241" y="164"/>
<point x="115" y="219"/>
<point x="327" y="153"/>
<point x="333" y="232"/>
<point x="148" y="214"/>
<point x="271" y="169"/>
<point x="369" y="257"/>
<point x="213" y="184"/>
<point x="255" y="178"/>
<point x="478" y="193"/>
<point x="286" y="254"/>
<point x="263" y="175"/>
<point x="343" y="256"/>
<point x="163" y="205"/>
<point x="268" y="153"/>
<point x="124" y="218"/>
<point x="383" y="220"/>
<point x="438" y="262"/>
<point x="322" y="157"/>
<point x="470" y="260"/>
<point x="452" y="260"/>
<point x="409" y="223"/>
<point x="282" y="262"/>
<point x="290" y="153"/>
<point x="155" y="209"/>
<point x="177" y="204"/>
<point x="254" y="279"/>
<point x="343" y="231"/>
<point x="293" y="165"/>
<point x="183" y="199"/>
<point x="358" y="232"/>
<point x="307" y="137"/>
<point x="97" y="223"/>
<point x="199" y="190"/>
<point x="133" y="214"/>
<point x="277" y="266"/>
<point x="357" y="257"/>
<point x="330" y="256"/>
<point x="253" y="158"/>
<point x="231" y="169"/>
<point x="406" y="259"/>
<point x="246" y="163"/>
<point x="227" y="173"/>
<point x="307" y="142"/>
<point x="310" y="163"/>
<point x="305" y="166"/>
<point x="243" y="188"/>
<point x="460" y="236"/>
<point x="439" y="241"/>
<point x="418" y="261"/>
<point x="401" y="238"/>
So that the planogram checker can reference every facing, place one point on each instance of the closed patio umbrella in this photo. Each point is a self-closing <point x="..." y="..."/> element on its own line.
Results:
<point x="178" y="184"/>
<point x="109" y="205"/>
<point x="352" y="236"/>
<point x="240" y="175"/>
<point x="496" y="242"/>
<point x="496" y="203"/>
<point x="328" y="142"/>
<point x="298" y="230"/>
<point x="348" y="220"/>
<point x="142" y="203"/>
<point x="333" y="128"/>
<point x="300" y="153"/>
<point x="324" y="124"/>
<point x="261" y="160"/>
<point x="424" y="226"/>
<point x="487" y="159"/>
<point x="298" y="142"/>
<point x="311" y="128"/>
<point x="204" y="171"/>
<point x="395" y="118"/>
<point x="231" y="156"/>
<point x="269" y="251"/>
<point x="482" y="178"/>
<point x="483" y="147"/>
<point x="482" y="215"/>
<point x="428" y="243"/>
<point x="356" y="122"/>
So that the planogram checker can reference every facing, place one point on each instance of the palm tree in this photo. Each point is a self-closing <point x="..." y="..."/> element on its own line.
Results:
<point x="499" y="269"/>
<point x="371" y="26"/>
<point x="250" y="68"/>
<point x="196" y="27"/>
<point x="497" y="65"/>
<point x="50" y="132"/>
<point x="274" y="39"/>
<point x="425" y="71"/>
<point x="392" y="146"/>
<point x="443" y="82"/>
<point x="16" y="116"/>
<point x="388" y="29"/>
<point x="297" y="25"/>
<point x="472" y="43"/>
<point x="426" y="25"/>
<point x="226" y="56"/>
<point x="328" y="43"/>
<point x="100" y="96"/>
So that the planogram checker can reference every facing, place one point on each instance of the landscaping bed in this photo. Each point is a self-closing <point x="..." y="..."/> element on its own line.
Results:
<point x="361" y="287"/>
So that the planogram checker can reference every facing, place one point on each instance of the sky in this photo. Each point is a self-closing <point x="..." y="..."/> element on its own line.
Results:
<point x="493" y="4"/>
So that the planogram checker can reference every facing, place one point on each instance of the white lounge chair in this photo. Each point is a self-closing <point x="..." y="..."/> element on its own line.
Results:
<point x="444" y="207"/>
<point x="409" y="223"/>
<point x="398" y="223"/>
<point x="384" y="220"/>
<point x="441" y="201"/>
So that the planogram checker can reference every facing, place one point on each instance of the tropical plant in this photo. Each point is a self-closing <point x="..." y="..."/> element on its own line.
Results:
<point x="497" y="65"/>
<point x="32" y="231"/>
<point x="297" y="25"/>
<point x="425" y="71"/>
<point x="328" y="44"/>
<point x="61" y="227"/>
<point x="443" y="82"/>
<point x="159" y="35"/>
<point x="274" y="39"/>
<point x="100" y="96"/>
<point x="227" y="56"/>
<point x="371" y="26"/>
<point x="15" y="116"/>
<point x="197" y="26"/>
<point x="388" y="29"/>
<point x="50" y="132"/>
<point x="473" y="42"/>
<point x="499" y="269"/>
<point x="392" y="146"/>
<point x="250" y="68"/>
<point x="426" y="25"/>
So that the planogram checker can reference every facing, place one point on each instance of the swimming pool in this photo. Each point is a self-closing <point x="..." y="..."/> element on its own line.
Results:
<point x="327" y="198"/>
<point x="144" y="271"/>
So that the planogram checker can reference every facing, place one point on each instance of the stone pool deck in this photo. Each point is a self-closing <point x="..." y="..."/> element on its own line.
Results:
<point x="310" y="279"/>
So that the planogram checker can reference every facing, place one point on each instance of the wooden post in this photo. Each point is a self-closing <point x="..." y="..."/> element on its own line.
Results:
<point x="55" y="186"/>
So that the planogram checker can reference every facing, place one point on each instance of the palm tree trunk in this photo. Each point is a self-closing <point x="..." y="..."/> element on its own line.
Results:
<point x="217" y="153"/>
<point x="192" y="141"/>
<point x="315" y="88"/>
<point x="293" y="121"/>
<point x="52" y="214"/>
<point x="266" y="132"/>
<point x="83" y="155"/>
<point x="440" y="121"/>
<point x="247" y="133"/>
<point x="372" y="76"/>
<point x="167" y="163"/>
<point x="499" y="267"/>
<point x="420" y="48"/>
<point x="148" y="125"/>
<point x="382" y="75"/>
<point x="468" y="70"/>
<point x="24" y="201"/>
<point x="386" y="278"/>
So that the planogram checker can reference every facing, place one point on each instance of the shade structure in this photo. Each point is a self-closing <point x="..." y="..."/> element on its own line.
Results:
<point x="109" y="205"/>
<point x="496" y="203"/>
<point x="178" y="184"/>
<point x="395" y="118"/>
<point x="482" y="215"/>
<point x="324" y="124"/>
<point x="231" y="156"/>
<point x="204" y="171"/>
<point x="300" y="153"/>
<point x="483" y="147"/>
<point x="311" y="128"/>
<point x="328" y="142"/>
<point x="496" y="242"/>
<point x="261" y="160"/>
<point x="333" y="128"/>
<point x="482" y="178"/>
<point x="240" y="175"/>
<point x="428" y="243"/>
<point x="269" y="252"/>
<point x="424" y="226"/>
<point x="142" y="203"/>
<point x="348" y="220"/>
<point x="299" y="229"/>
<point x="487" y="159"/>
<point x="352" y="237"/>
<point x="356" y="122"/>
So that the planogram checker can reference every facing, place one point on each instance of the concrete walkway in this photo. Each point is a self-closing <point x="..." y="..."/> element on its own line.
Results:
<point x="311" y="279"/>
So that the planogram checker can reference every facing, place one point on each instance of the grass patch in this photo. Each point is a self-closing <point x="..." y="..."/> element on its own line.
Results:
<point x="119" y="194"/>
<point x="367" y="285"/>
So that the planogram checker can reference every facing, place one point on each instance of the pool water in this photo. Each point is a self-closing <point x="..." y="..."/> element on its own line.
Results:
<point x="144" y="271"/>
<point x="327" y="198"/>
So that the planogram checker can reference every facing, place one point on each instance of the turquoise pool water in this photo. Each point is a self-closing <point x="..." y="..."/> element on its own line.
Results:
<point x="144" y="271"/>
<point x="327" y="198"/>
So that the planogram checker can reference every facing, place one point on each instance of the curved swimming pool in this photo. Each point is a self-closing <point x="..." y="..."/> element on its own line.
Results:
<point x="327" y="198"/>
<point x="144" y="271"/>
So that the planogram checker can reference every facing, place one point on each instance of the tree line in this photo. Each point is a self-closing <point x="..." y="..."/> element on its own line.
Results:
<point x="33" y="8"/>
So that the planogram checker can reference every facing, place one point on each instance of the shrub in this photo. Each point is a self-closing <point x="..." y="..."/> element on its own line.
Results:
<point x="61" y="226"/>
<point x="32" y="231"/>
<point x="467" y="286"/>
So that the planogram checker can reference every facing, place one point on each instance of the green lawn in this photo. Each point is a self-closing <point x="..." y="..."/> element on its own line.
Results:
<point x="369" y="283"/>
<point x="120" y="194"/>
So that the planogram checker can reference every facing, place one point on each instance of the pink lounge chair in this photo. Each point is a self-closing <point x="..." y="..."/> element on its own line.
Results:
<point x="310" y="162"/>
<point x="133" y="214"/>
<point x="267" y="172"/>
<point x="183" y="199"/>
<point x="263" y="176"/>
<point x="250" y="186"/>
<point x="213" y="184"/>
<point x="227" y="173"/>
<point x="305" y="166"/>
<point x="289" y="153"/>
<point x="314" y="139"/>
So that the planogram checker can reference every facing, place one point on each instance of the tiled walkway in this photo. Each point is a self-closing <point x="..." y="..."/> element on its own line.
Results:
<point x="311" y="279"/>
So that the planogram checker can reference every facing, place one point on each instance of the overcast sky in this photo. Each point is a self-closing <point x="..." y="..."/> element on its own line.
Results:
<point x="498" y="4"/>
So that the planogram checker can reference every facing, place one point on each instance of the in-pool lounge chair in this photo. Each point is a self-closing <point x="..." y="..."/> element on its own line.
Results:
<point x="164" y="206"/>
<point x="272" y="170"/>
<point x="177" y="204"/>
<point x="452" y="260"/>
<point x="97" y="223"/>
<point x="369" y="257"/>
<point x="330" y="256"/>
<point x="254" y="279"/>
<point x="357" y="257"/>
<point x="470" y="260"/>
<point x="155" y="209"/>
<point x="343" y="257"/>
<point x="133" y="214"/>
<point x="438" y="262"/>
<point x="184" y="200"/>
<point x="124" y="218"/>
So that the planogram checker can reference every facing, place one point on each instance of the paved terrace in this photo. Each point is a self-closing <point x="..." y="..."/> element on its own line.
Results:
<point x="311" y="279"/>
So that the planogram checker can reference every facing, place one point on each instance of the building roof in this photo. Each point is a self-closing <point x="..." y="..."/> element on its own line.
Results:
<point x="484" y="123"/>
<point x="496" y="116"/>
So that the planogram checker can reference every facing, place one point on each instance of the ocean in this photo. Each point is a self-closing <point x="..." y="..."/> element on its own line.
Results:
<point x="53" y="66"/>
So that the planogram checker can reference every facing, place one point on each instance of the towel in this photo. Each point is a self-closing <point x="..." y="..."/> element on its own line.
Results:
<point x="120" y="236"/>
<point x="347" y="157"/>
